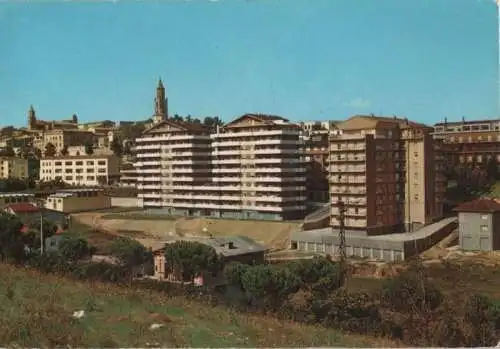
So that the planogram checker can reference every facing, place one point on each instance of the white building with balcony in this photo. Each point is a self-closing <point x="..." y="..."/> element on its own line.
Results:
<point x="172" y="162"/>
<point x="252" y="168"/>
<point x="259" y="169"/>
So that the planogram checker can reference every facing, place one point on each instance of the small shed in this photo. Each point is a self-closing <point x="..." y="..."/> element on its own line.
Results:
<point x="479" y="225"/>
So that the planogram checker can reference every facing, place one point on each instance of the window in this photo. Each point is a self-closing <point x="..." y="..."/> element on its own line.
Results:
<point x="79" y="163"/>
<point x="484" y="229"/>
<point x="484" y="216"/>
<point x="68" y="163"/>
<point x="90" y="163"/>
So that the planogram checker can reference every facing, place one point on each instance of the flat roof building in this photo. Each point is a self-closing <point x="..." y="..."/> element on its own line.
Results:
<point x="85" y="170"/>
<point x="78" y="200"/>
<point x="479" y="225"/>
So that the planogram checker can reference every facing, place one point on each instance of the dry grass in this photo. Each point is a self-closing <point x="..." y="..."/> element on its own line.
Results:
<point x="272" y="234"/>
<point x="36" y="311"/>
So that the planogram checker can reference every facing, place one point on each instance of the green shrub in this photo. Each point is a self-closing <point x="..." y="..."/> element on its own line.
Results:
<point x="408" y="292"/>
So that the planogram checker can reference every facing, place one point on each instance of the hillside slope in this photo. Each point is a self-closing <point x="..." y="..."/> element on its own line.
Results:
<point x="37" y="311"/>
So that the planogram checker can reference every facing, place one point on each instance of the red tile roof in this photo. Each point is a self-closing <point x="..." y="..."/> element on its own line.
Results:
<point x="23" y="208"/>
<point x="480" y="205"/>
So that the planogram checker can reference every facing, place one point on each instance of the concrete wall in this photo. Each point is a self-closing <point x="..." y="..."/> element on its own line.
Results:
<point x="124" y="202"/>
<point x="472" y="237"/>
<point x="496" y="231"/>
<point x="380" y="248"/>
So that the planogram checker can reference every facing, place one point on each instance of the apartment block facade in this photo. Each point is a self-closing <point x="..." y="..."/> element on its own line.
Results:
<point x="316" y="145"/>
<point x="259" y="169"/>
<point x="173" y="164"/>
<point x="466" y="142"/>
<point x="387" y="173"/>
<point x="252" y="168"/>
<point x="81" y="170"/>
<point x="14" y="167"/>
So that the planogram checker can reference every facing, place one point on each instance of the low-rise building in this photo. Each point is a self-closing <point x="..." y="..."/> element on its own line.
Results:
<point x="85" y="170"/>
<point x="479" y="225"/>
<point x="13" y="198"/>
<point x="14" y="167"/>
<point x="78" y="200"/>
<point x="232" y="248"/>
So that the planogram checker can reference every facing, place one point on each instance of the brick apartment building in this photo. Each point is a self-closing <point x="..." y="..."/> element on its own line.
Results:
<point x="387" y="172"/>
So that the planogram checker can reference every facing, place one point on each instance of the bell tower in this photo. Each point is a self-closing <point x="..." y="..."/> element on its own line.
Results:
<point x="161" y="104"/>
<point x="31" y="118"/>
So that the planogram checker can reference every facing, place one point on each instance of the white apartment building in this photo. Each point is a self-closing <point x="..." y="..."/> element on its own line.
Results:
<point x="252" y="168"/>
<point x="259" y="169"/>
<point x="85" y="170"/>
<point x="172" y="164"/>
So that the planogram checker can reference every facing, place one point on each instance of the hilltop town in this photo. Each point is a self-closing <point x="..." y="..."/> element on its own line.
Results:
<point x="359" y="201"/>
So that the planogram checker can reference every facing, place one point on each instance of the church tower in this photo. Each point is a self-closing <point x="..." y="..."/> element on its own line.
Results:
<point x="31" y="118"/>
<point x="161" y="104"/>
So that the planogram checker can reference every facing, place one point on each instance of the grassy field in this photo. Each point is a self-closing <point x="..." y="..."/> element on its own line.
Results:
<point x="37" y="311"/>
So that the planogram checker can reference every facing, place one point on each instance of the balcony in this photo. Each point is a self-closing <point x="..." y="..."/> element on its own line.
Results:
<point x="169" y="137"/>
<point x="343" y="147"/>
<point x="256" y="133"/>
<point x="347" y="169"/>
<point x="148" y="155"/>
<point x="347" y="158"/>
<point x="149" y="179"/>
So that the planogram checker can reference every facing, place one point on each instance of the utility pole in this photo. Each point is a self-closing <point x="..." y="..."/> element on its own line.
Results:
<point x="41" y="234"/>
<point x="342" y="247"/>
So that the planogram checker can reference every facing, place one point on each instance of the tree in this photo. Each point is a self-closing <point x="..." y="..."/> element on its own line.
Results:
<point x="130" y="253"/>
<point x="89" y="148"/>
<point x="127" y="150"/>
<point x="233" y="273"/>
<point x="75" y="248"/>
<point x="212" y="121"/>
<point x="319" y="275"/>
<point x="11" y="239"/>
<point x="32" y="237"/>
<point x="410" y="292"/>
<point x="492" y="168"/>
<point x="37" y="153"/>
<point x="50" y="150"/>
<point x="8" y="152"/>
<point x="191" y="258"/>
<point x="177" y="117"/>
<point x="24" y="152"/>
<point x="64" y="151"/>
<point x="117" y="147"/>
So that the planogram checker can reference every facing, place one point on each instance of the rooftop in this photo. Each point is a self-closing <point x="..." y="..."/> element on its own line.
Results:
<point x="23" y="208"/>
<point x="225" y="245"/>
<point x="487" y="205"/>
<point x="8" y="195"/>
<point x="76" y="157"/>
<point x="362" y="122"/>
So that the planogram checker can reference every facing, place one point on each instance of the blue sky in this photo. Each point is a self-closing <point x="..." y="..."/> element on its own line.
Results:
<point x="301" y="59"/>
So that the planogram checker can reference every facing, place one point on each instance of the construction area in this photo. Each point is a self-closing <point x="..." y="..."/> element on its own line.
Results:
<point x="150" y="230"/>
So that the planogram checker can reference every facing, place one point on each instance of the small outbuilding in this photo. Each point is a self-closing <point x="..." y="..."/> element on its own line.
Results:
<point x="479" y="225"/>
